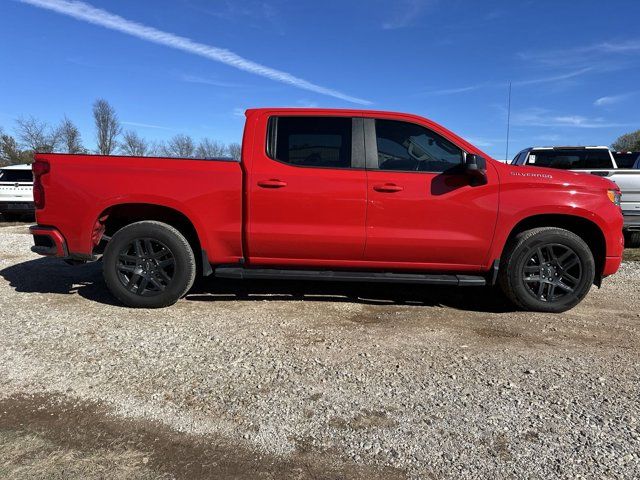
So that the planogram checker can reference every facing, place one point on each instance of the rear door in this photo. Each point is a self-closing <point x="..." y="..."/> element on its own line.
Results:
<point x="423" y="212"/>
<point x="307" y="191"/>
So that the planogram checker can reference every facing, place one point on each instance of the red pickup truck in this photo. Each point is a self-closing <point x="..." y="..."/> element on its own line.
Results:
<point x="341" y="195"/>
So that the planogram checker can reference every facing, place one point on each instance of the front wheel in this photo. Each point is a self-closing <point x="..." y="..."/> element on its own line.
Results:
<point x="148" y="264"/>
<point x="547" y="270"/>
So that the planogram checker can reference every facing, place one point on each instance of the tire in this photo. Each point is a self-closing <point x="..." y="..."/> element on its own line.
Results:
<point x="560" y="259"/>
<point x="632" y="240"/>
<point x="148" y="264"/>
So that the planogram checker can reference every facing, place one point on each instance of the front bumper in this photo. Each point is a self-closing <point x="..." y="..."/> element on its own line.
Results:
<point x="611" y="265"/>
<point x="48" y="241"/>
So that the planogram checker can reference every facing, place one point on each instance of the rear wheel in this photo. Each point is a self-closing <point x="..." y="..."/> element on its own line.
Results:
<point x="148" y="265"/>
<point x="547" y="269"/>
<point x="632" y="240"/>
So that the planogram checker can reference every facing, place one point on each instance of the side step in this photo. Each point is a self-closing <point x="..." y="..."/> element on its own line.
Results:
<point x="240" y="273"/>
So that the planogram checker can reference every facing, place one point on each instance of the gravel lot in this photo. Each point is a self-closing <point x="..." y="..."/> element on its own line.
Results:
<point x="283" y="380"/>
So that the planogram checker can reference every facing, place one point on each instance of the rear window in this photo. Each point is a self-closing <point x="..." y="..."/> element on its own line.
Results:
<point x="16" y="176"/>
<point x="571" y="159"/>
<point x="626" y="160"/>
<point x="311" y="141"/>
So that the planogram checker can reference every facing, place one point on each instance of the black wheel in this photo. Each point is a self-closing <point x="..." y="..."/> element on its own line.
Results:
<point x="547" y="270"/>
<point x="148" y="265"/>
<point x="632" y="240"/>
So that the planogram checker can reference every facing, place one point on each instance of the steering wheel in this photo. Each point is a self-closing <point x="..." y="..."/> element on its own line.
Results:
<point x="419" y="157"/>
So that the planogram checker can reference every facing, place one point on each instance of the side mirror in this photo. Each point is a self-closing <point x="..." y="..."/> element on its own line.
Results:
<point x="476" y="168"/>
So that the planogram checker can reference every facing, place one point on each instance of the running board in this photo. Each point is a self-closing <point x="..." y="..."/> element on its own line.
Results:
<point x="239" y="273"/>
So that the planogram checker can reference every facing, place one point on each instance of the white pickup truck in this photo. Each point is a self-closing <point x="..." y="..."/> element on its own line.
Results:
<point x="16" y="191"/>
<point x="597" y="161"/>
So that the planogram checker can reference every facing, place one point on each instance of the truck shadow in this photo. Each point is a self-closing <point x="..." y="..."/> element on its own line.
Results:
<point x="52" y="276"/>
<point x="470" y="298"/>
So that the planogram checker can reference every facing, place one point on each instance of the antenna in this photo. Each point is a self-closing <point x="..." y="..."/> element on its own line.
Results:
<point x="506" y="157"/>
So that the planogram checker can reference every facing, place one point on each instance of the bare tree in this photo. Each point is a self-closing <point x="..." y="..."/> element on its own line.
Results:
<point x="627" y="142"/>
<point x="70" y="137"/>
<point x="180" y="146"/>
<point x="134" y="144"/>
<point x="235" y="150"/>
<point x="208" y="148"/>
<point x="37" y="136"/>
<point x="107" y="126"/>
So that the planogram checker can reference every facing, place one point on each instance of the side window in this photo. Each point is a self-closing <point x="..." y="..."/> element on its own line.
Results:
<point x="311" y="141"/>
<point x="410" y="147"/>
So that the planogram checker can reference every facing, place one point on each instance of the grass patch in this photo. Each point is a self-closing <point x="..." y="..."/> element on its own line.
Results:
<point x="25" y="456"/>
<point x="632" y="254"/>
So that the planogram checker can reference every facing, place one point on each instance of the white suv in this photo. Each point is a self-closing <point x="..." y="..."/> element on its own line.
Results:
<point x="16" y="191"/>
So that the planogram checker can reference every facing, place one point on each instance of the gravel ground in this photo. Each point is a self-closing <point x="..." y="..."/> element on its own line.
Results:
<point x="379" y="381"/>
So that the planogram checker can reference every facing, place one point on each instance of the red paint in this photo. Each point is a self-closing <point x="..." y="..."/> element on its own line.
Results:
<point x="272" y="213"/>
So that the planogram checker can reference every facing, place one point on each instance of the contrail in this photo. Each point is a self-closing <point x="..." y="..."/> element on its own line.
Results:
<point x="85" y="12"/>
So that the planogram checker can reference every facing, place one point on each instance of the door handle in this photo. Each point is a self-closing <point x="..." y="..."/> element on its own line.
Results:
<point x="272" y="183"/>
<point x="601" y="173"/>
<point x="388" y="188"/>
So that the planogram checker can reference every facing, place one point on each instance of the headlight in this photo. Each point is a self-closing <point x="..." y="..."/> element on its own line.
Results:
<point x="615" y="196"/>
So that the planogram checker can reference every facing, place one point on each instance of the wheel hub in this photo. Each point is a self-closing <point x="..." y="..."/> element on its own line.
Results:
<point x="549" y="272"/>
<point x="146" y="266"/>
<point x="552" y="272"/>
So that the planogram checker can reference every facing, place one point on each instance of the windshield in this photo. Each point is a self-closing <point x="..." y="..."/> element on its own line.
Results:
<point x="571" y="159"/>
<point x="15" y="176"/>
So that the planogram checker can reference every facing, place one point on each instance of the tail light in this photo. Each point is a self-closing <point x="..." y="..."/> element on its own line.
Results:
<point x="39" y="169"/>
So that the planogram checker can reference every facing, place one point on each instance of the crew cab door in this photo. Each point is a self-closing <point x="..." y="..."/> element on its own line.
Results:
<point x="307" y="191"/>
<point x="423" y="211"/>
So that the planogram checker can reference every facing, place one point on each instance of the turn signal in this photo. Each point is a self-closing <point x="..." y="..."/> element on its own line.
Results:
<point x="615" y="196"/>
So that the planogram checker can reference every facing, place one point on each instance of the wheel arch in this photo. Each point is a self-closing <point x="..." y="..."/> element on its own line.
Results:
<point x="116" y="216"/>
<point x="589" y="231"/>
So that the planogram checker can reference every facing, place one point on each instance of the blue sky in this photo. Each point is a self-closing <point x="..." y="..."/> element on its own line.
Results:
<point x="193" y="66"/>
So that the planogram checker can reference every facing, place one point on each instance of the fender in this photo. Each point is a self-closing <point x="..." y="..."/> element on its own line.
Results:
<point x="154" y="200"/>
<point x="507" y="225"/>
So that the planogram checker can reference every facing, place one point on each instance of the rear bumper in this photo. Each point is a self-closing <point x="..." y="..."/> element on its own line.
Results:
<point x="21" y="207"/>
<point x="48" y="241"/>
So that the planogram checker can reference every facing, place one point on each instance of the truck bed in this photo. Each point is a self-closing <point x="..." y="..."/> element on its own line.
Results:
<point x="82" y="188"/>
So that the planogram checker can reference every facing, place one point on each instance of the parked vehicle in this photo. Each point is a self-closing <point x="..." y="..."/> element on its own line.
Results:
<point x="627" y="159"/>
<point x="340" y="195"/>
<point x="16" y="191"/>
<point x="597" y="161"/>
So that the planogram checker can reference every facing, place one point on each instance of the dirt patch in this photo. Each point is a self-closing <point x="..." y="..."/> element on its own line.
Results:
<point x="85" y="438"/>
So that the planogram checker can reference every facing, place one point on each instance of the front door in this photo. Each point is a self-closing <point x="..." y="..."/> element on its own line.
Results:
<point x="423" y="211"/>
<point x="307" y="192"/>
